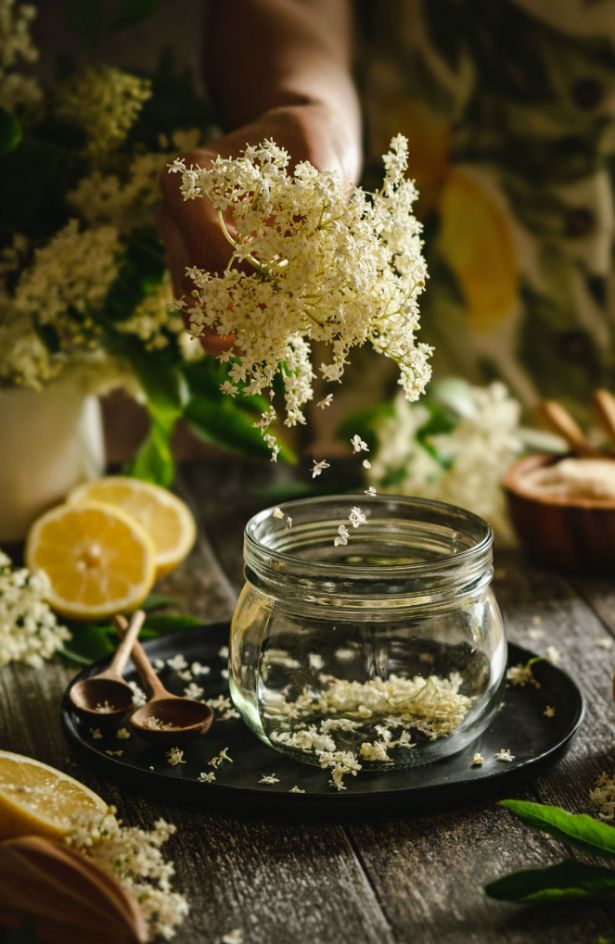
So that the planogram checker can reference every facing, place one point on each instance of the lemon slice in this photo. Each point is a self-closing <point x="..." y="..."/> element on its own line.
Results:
<point x="165" y="517"/>
<point x="37" y="800"/>
<point x="99" y="560"/>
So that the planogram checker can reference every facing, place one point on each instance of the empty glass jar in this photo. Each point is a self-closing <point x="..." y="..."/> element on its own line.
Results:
<point x="387" y="651"/>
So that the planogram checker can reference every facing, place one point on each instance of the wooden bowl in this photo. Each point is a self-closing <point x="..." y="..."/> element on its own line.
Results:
<point x="569" y="534"/>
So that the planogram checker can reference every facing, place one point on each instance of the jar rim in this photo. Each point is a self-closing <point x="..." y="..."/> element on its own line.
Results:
<point x="476" y="529"/>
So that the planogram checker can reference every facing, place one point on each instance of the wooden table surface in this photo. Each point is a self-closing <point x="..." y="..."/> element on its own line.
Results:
<point x="411" y="879"/>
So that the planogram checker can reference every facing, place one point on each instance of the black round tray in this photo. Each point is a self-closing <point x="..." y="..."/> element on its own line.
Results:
<point x="535" y="740"/>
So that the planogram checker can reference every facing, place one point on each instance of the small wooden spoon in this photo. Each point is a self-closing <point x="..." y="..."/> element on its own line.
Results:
<point x="166" y="718"/>
<point x="559" y="420"/>
<point x="604" y="402"/>
<point x="106" y="699"/>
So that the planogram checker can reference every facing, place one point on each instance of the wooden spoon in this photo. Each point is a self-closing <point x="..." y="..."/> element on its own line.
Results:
<point x="559" y="420"/>
<point x="604" y="402"/>
<point x="106" y="699"/>
<point x="166" y="718"/>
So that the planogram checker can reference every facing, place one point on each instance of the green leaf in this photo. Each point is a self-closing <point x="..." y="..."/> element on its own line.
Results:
<point x="567" y="881"/>
<point x="162" y="623"/>
<point x="10" y="131"/>
<point x="133" y="11"/>
<point x="90" y="642"/>
<point x="87" y="18"/>
<point x="223" y="424"/>
<point x="165" y="392"/>
<point x="153" y="460"/>
<point x="581" y="830"/>
<point x="158" y="601"/>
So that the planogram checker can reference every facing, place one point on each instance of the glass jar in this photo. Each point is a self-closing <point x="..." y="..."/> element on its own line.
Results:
<point x="387" y="651"/>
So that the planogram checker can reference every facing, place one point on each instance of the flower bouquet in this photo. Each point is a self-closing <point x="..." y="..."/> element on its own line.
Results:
<point x="84" y="290"/>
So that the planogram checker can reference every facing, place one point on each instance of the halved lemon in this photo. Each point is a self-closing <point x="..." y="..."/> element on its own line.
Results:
<point x="166" y="518"/>
<point x="99" y="560"/>
<point x="38" y="800"/>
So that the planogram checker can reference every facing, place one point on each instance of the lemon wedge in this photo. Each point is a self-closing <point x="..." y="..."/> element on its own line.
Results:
<point x="166" y="518"/>
<point x="99" y="560"/>
<point x="37" y="800"/>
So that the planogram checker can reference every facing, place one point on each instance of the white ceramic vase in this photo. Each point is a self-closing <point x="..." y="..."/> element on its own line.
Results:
<point x="49" y="441"/>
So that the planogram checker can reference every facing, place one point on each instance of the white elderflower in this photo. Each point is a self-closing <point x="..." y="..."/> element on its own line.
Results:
<point x="223" y="653"/>
<point x="17" y="91"/>
<point x="289" y="521"/>
<point x="269" y="779"/>
<point x="521" y="675"/>
<point x="603" y="797"/>
<point x="478" y="760"/>
<point x="194" y="691"/>
<point x="371" y="491"/>
<point x="175" y="756"/>
<point x="366" y="464"/>
<point x="324" y="403"/>
<point x="316" y="661"/>
<point x="122" y="734"/>
<point x="103" y="102"/>
<point x="133" y="857"/>
<point x="197" y="669"/>
<point x="233" y="937"/>
<point x="463" y="465"/>
<point x="277" y="513"/>
<point x="204" y="777"/>
<point x="118" y="753"/>
<point x="311" y="263"/>
<point x="138" y="695"/>
<point x="341" y="539"/>
<point x="177" y="663"/>
<point x="552" y="655"/>
<point x="356" y="517"/>
<point x="220" y="758"/>
<point x="549" y="711"/>
<point x="96" y="734"/>
<point x="72" y="273"/>
<point x="319" y="467"/>
<point x="29" y="630"/>
<point x="504" y="755"/>
<point x="152" y="321"/>
<point x="375" y="752"/>
<point x="341" y="764"/>
<point x="296" y="789"/>
<point x="358" y="444"/>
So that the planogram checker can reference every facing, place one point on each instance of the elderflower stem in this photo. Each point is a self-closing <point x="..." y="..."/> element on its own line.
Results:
<point x="263" y="269"/>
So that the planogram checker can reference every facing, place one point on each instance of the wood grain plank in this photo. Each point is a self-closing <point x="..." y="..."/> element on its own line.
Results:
<point x="279" y="882"/>
<point x="427" y="871"/>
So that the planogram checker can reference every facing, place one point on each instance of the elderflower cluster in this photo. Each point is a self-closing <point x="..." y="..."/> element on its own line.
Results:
<point x="337" y="724"/>
<point x="29" y="631"/>
<point x="127" y="198"/>
<point x="105" y="103"/>
<point x="325" y="265"/>
<point x="17" y="91"/>
<point x="70" y="275"/>
<point x="152" y="320"/>
<point x="463" y="466"/>
<point x="133" y="856"/>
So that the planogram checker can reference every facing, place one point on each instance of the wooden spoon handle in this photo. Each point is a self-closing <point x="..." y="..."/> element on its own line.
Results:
<point x="561" y="422"/>
<point x="142" y="664"/>
<point x="122" y="652"/>
<point x="604" y="402"/>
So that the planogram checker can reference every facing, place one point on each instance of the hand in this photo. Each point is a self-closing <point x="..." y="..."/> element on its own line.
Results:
<point x="190" y="229"/>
